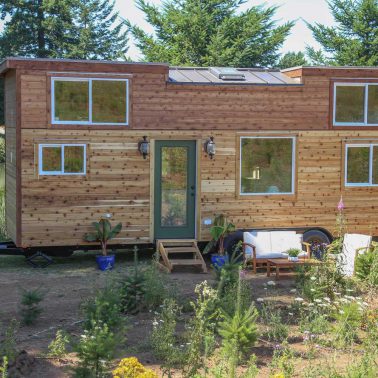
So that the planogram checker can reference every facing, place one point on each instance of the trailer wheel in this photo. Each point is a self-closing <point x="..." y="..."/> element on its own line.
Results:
<point x="318" y="236"/>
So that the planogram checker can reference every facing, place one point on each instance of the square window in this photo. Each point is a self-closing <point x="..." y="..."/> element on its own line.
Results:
<point x="372" y="116"/>
<point x="375" y="165"/>
<point x="71" y="101"/>
<point x="62" y="159"/>
<point x="350" y="104"/>
<point x="267" y="165"/>
<point x="109" y="101"/>
<point x="358" y="165"/>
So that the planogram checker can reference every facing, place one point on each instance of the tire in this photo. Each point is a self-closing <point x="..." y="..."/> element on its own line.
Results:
<point x="311" y="236"/>
<point x="231" y="240"/>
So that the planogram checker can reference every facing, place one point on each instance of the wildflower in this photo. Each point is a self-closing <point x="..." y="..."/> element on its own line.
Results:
<point x="311" y="305"/>
<point x="327" y="299"/>
<point x="349" y="290"/>
<point x="155" y="323"/>
<point x="341" y="312"/>
<point x="293" y="290"/>
<point x="365" y="304"/>
<point x="312" y="290"/>
<point x="336" y="293"/>
<point x="340" y="205"/>
<point x="349" y="297"/>
<point x="265" y="288"/>
<point x="312" y="278"/>
<point x="291" y="314"/>
<point x="317" y="301"/>
<point x="260" y="299"/>
<point x="271" y="283"/>
<point x="299" y="299"/>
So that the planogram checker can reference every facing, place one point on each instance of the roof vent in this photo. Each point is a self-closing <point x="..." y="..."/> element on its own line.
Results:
<point x="227" y="73"/>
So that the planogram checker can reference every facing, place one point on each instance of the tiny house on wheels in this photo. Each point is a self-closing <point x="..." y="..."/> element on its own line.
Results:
<point x="163" y="149"/>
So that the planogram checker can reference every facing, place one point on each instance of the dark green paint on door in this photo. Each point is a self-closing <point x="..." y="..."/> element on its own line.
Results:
<point x="175" y="189"/>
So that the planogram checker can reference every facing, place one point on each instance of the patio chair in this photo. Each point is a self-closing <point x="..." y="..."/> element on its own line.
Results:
<point x="261" y="246"/>
<point x="352" y="244"/>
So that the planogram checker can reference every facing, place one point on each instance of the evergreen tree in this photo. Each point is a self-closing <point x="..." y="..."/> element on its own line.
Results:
<point x="96" y="34"/>
<point x="36" y="28"/>
<point x="210" y="33"/>
<point x="292" y="59"/>
<point x="354" y="40"/>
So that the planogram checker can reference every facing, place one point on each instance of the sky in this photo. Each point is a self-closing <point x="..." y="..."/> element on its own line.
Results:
<point x="301" y="10"/>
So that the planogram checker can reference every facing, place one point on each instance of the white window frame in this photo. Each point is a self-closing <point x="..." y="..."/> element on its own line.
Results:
<point x="360" y="184"/>
<point x="61" y="172"/>
<point x="366" y="102"/>
<point x="293" y="167"/>
<point x="89" y="80"/>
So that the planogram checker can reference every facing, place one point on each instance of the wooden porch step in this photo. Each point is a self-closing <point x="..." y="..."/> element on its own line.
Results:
<point x="167" y="247"/>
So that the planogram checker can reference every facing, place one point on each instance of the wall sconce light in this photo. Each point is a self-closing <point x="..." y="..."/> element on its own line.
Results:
<point x="209" y="147"/>
<point x="144" y="147"/>
<point x="107" y="216"/>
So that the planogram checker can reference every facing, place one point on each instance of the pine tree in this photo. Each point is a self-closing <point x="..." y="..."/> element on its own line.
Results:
<point x="354" y="40"/>
<point x="292" y="59"/>
<point x="36" y="28"/>
<point x="210" y="33"/>
<point x="96" y="33"/>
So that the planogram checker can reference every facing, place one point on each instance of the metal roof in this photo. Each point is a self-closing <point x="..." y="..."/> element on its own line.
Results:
<point x="256" y="76"/>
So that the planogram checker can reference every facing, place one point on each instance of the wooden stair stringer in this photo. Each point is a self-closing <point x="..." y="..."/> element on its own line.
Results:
<point x="167" y="247"/>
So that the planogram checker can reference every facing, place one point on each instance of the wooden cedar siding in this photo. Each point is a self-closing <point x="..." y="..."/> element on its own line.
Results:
<point x="59" y="210"/>
<point x="11" y="172"/>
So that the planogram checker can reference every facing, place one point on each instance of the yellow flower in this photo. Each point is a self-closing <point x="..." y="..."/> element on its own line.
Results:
<point x="279" y="375"/>
<point x="131" y="368"/>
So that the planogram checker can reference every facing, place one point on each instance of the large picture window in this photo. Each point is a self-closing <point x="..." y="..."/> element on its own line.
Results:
<point x="89" y="101"/>
<point x="361" y="165"/>
<point x="267" y="165"/>
<point x="62" y="159"/>
<point x="355" y="104"/>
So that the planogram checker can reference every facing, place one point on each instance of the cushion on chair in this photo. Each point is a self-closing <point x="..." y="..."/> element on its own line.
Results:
<point x="260" y="239"/>
<point x="281" y="241"/>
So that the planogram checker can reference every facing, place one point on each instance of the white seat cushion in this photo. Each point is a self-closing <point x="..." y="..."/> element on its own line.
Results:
<point x="352" y="242"/>
<point x="260" y="239"/>
<point x="281" y="241"/>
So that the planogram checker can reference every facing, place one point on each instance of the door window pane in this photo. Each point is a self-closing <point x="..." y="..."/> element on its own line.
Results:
<point x="375" y="165"/>
<point x="373" y="104"/>
<point x="74" y="159"/>
<point x="350" y="104"/>
<point x="108" y="101"/>
<point x="358" y="165"/>
<point x="71" y="100"/>
<point x="266" y="165"/>
<point x="174" y="166"/>
<point x="51" y="159"/>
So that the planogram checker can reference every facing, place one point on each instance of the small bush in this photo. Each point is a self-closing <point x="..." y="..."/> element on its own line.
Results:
<point x="30" y="309"/>
<point x="277" y="330"/>
<point x="95" y="350"/>
<point x="8" y="345"/>
<point x="132" y="368"/>
<point x="4" y="367"/>
<point x="366" y="266"/>
<point x="57" y="347"/>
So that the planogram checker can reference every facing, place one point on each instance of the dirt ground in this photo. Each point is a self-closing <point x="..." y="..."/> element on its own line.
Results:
<point x="68" y="282"/>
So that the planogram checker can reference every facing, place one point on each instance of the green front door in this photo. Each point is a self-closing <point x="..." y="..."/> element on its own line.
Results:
<point x="175" y="189"/>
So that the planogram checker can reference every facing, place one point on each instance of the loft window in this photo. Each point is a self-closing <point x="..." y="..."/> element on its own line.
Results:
<point x="267" y="165"/>
<point x="355" y="104"/>
<point x="89" y="101"/>
<point x="361" y="165"/>
<point x="62" y="159"/>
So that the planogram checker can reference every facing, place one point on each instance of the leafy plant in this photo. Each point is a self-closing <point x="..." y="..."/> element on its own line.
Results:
<point x="57" y="347"/>
<point x="283" y="361"/>
<point x="221" y="228"/>
<point x="103" y="233"/>
<point x="8" y="345"/>
<point x="30" y="309"/>
<point x="133" y="289"/>
<point x="95" y="350"/>
<point x="366" y="266"/>
<point x="293" y="252"/>
<point x="132" y="368"/>
<point x="277" y="330"/>
<point x="4" y="367"/>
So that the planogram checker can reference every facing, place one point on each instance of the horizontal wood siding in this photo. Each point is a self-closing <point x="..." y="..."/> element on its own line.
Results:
<point x="11" y="154"/>
<point x="59" y="210"/>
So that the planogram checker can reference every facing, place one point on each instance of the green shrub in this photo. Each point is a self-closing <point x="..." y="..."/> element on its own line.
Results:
<point x="277" y="330"/>
<point x="2" y="149"/>
<point x="4" y="367"/>
<point x="95" y="350"/>
<point x="366" y="266"/>
<point x="8" y="345"/>
<point x="57" y="347"/>
<point x="30" y="309"/>
<point x="104" y="308"/>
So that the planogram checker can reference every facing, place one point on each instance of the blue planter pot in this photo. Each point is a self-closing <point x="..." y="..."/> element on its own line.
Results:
<point x="218" y="261"/>
<point x="105" y="262"/>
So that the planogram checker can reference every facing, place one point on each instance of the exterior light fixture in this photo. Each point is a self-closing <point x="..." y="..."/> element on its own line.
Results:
<point x="107" y="216"/>
<point x="144" y="147"/>
<point x="209" y="147"/>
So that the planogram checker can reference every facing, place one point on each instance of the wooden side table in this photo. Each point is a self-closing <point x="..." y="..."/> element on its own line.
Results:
<point x="285" y="263"/>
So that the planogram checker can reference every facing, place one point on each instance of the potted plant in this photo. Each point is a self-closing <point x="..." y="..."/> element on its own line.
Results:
<point x="103" y="233"/>
<point x="220" y="229"/>
<point x="293" y="254"/>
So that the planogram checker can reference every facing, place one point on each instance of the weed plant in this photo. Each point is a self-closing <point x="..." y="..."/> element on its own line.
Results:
<point x="8" y="345"/>
<point x="58" y="347"/>
<point x="30" y="305"/>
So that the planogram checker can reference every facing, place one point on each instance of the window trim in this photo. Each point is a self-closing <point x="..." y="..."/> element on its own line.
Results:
<point x="359" y="184"/>
<point x="41" y="172"/>
<point x="293" y="166"/>
<point x="366" y="102"/>
<point x="90" y="94"/>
